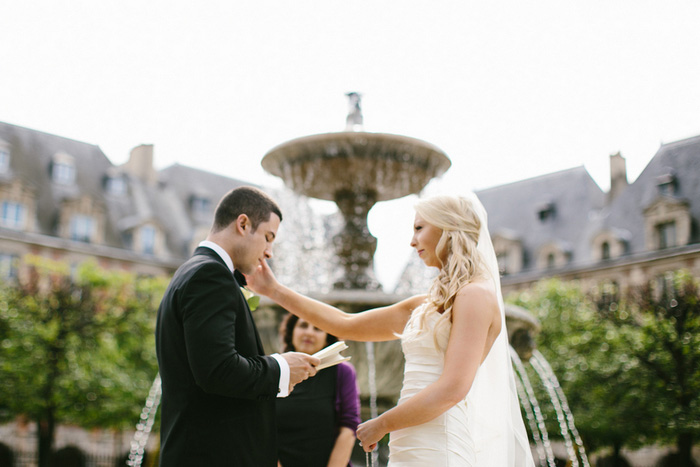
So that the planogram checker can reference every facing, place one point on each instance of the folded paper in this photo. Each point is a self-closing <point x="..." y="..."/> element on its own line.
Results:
<point x="331" y="355"/>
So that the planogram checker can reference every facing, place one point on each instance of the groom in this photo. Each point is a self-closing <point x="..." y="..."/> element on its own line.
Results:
<point x="219" y="389"/>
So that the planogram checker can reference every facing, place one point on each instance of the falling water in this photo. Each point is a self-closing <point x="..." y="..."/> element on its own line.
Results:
<point x="539" y="432"/>
<point x="564" y="414"/>
<point x="143" y="427"/>
<point x="372" y="383"/>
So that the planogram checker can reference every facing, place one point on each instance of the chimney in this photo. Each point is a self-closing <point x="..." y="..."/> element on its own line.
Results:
<point x="140" y="164"/>
<point x="618" y="176"/>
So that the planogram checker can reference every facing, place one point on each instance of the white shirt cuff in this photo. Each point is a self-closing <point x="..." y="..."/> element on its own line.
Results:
<point x="284" y="375"/>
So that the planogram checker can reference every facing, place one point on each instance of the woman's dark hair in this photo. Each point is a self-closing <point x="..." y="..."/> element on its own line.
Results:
<point x="254" y="203"/>
<point x="287" y="332"/>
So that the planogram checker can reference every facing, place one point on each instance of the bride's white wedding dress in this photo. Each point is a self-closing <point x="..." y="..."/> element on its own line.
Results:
<point x="480" y="430"/>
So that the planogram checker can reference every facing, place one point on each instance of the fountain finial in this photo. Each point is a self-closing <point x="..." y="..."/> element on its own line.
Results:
<point x="354" y="120"/>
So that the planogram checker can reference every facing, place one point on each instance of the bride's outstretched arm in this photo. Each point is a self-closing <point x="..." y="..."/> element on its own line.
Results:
<point x="475" y="325"/>
<point x="378" y="324"/>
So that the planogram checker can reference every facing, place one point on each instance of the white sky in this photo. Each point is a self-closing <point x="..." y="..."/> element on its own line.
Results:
<point x="508" y="89"/>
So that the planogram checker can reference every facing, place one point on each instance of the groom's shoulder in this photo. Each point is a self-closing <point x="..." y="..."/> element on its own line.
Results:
<point x="201" y="259"/>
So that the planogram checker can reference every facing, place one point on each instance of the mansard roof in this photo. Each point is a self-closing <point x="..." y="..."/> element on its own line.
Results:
<point x="165" y="204"/>
<point x="681" y="160"/>
<point x="566" y="199"/>
<point x="32" y="153"/>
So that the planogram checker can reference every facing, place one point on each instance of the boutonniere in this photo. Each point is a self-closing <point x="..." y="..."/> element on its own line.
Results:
<point x="252" y="299"/>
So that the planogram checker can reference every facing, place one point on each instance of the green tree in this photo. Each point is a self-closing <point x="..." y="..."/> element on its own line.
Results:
<point x="597" y="372"/>
<point x="76" y="348"/>
<point x="660" y="323"/>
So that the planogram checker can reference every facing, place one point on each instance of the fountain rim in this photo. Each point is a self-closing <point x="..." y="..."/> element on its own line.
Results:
<point x="320" y="137"/>
<point x="273" y="153"/>
<point x="404" y="150"/>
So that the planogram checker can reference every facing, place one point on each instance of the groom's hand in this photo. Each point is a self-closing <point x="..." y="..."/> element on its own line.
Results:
<point x="301" y="367"/>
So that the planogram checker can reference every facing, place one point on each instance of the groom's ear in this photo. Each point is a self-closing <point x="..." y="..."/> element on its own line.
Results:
<point x="243" y="224"/>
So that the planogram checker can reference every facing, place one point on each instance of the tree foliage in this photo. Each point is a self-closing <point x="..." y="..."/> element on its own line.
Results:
<point x="660" y="323"/>
<point x="602" y="381"/>
<point x="629" y="367"/>
<point x="77" y="347"/>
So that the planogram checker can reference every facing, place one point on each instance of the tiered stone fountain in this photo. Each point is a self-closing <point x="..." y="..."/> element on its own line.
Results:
<point x="356" y="169"/>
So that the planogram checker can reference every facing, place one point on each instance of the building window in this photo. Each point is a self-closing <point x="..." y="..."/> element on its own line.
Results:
<point x="608" y="296"/>
<point x="546" y="212"/>
<point x="667" y="234"/>
<point x="4" y="160"/>
<point x="82" y="228"/>
<point x="667" y="184"/>
<point x="201" y="205"/>
<point x="12" y="215"/>
<point x="148" y="240"/>
<point x="551" y="261"/>
<point x="502" y="259"/>
<point x="605" y="251"/>
<point x="9" y="265"/>
<point x="63" y="171"/>
<point x="116" y="186"/>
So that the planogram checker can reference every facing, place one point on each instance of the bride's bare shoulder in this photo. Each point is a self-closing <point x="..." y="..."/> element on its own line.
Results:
<point x="480" y="293"/>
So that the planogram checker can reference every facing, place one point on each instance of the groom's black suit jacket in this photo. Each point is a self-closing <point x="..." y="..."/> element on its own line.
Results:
<point x="219" y="390"/>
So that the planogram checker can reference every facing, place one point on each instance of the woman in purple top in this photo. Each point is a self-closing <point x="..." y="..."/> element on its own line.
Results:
<point x="316" y="423"/>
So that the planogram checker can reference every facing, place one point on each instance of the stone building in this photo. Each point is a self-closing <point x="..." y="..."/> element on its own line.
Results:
<point x="64" y="199"/>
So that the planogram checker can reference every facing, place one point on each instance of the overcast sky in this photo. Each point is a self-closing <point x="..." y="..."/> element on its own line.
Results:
<point x="508" y="89"/>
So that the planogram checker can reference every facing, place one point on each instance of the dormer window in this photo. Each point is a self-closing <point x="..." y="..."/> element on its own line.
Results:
<point x="12" y="215"/>
<point x="200" y="205"/>
<point x="667" y="184"/>
<point x="82" y="228"/>
<point x="553" y="255"/>
<point x="666" y="234"/>
<point x="148" y="239"/>
<point x="115" y="185"/>
<point x="610" y="243"/>
<point x="551" y="261"/>
<point x="63" y="169"/>
<point x="667" y="223"/>
<point x="546" y="212"/>
<point x="509" y="252"/>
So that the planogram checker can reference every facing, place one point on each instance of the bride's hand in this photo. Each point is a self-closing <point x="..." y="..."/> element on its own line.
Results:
<point x="369" y="434"/>
<point x="262" y="281"/>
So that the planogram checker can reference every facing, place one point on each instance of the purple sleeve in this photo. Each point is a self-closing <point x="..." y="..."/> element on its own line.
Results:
<point x="347" y="399"/>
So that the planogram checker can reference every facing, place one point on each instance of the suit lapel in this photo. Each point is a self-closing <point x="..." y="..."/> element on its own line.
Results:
<point x="240" y="281"/>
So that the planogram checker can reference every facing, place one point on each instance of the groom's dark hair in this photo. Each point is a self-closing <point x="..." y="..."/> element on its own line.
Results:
<point x="253" y="202"/>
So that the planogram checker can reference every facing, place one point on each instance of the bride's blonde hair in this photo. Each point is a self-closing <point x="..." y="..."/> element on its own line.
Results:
<point x="460" y="261"/>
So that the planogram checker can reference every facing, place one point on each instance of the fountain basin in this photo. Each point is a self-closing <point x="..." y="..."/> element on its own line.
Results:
<point x="355" y="169"/>
<point x="325" y="165"/>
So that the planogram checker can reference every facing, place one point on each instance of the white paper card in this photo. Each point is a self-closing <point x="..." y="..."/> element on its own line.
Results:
<point x="331" y="355"/>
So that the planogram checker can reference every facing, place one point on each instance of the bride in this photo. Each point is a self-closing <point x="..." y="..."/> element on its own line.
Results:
<point x="458" y="405"/>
